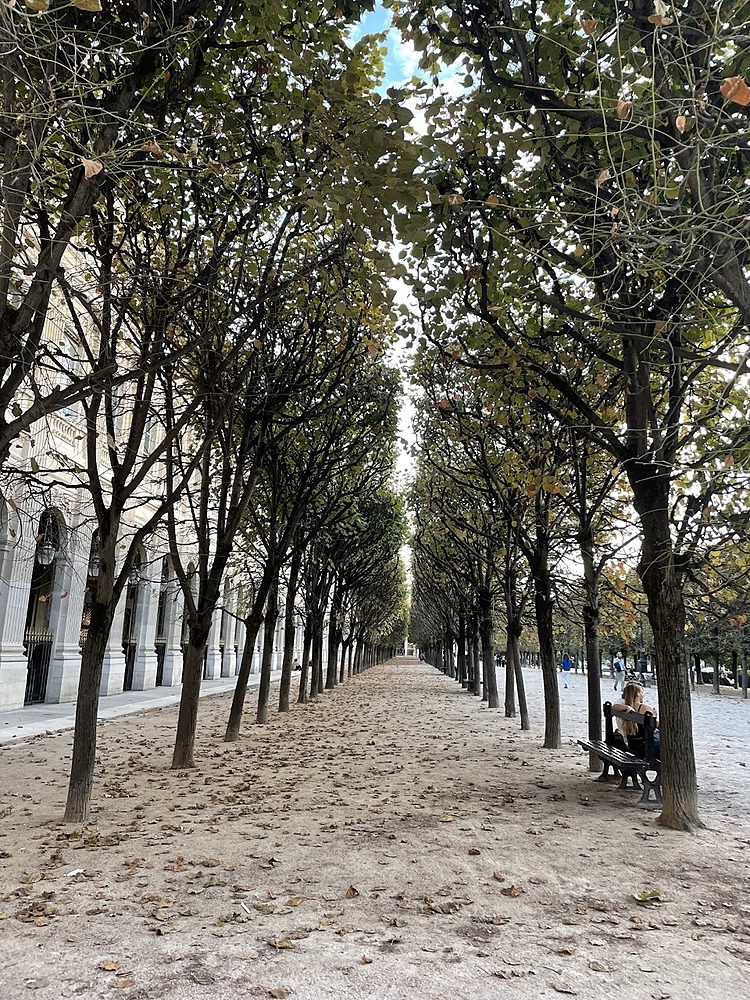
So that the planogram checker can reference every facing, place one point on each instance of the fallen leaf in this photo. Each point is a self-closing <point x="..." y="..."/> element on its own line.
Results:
<point x="512" y="890"/>
<point x="279" y="992"/>
<point x="351" y="892"/>
<point x="365" y="960"/>
<point x="109" y="966"/>
<point x="647" y="897"/>
<point x="562" y="987"/>
<point x="474" y="852"/>
<point x="280" y="943"/>
<point x="121" y="984"/>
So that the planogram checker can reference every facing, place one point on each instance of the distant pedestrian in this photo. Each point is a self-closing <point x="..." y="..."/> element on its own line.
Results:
<point x="296" y="665"/>
<point x="618" y="665"/>
<point x="566" y="665"/>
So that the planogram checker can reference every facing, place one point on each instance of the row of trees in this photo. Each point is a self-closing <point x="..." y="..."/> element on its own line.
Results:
<point x="189" y="195"/>
<point x="585" y="298"/>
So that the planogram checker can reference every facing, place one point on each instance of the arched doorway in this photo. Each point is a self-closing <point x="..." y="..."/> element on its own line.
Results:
<point x="130" y="621"/>
<point x="38" y="636"/>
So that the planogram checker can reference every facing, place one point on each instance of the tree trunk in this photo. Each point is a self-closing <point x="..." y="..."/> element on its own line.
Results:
<point x="666" y="612"/>
<point x="513" y="632"/>
<point x="510" y="679"/>
<point x="333" y="640"/>
<point x="84" y="740"/>
<point x="544" y="624"/>
<point x="316" y="680"/>
<point x="252" y="627"/>
<point x="269" y="631"/>
<point x="305" y="672"/>
<point x="591" y="633"/>
<point x="520" y="684"/>
<point x="488" y="652"/>
<point x="289" y="633"/>
<point x="462" y="650"/>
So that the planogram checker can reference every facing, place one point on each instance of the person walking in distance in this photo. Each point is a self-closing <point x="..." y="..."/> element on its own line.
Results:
<point x="566" y="665"/>
<point x="619" y="667"/>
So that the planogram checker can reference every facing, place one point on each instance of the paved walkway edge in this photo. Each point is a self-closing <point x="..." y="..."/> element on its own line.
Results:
<point x="23" y="723"/>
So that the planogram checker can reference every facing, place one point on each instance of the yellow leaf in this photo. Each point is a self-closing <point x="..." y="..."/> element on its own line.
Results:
<point x="735" y="89"/>
<point x="38" y="5"/>
<point x="602" y="176"/>
<point x="623" y="109"/>
<point x="109" y="966"/>
<point x="91" y="167"/>
<point x="589" y="25"/>
<point x="492" y="200"/>
<point x="91" y="5"/>
<point x="680" y="123"/>
<point x="152" y="146"/>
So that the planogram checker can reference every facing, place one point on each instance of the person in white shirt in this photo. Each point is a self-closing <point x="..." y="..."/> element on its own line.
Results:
<point x="632" y="733"/>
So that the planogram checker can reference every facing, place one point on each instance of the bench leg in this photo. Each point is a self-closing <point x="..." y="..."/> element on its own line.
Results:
<point x="651" y="787"/>
<point x="635" y="785"/>
<point x="605" y="775"/>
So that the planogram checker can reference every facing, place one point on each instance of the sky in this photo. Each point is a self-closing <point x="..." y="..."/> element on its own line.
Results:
<point x="400" y="64"/>
<point x="401" y="60"/>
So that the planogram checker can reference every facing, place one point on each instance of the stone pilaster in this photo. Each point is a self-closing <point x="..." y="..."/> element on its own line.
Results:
<point x="17" y="549"/>
<point x="144" y="674"/>
<point x="172" y="671"/>
<point x="113" y="669"/>
<point x="71" y="574"/>
<point x="213" y="649"/>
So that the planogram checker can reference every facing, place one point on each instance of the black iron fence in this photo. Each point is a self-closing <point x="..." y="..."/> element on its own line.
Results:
<point x="38" y="648"/>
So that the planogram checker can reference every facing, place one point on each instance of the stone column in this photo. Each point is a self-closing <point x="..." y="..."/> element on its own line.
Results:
<point x="228" y="660"/>
<point x="255" y="668"/>
<point x="113" y="669"/>
<point x="240" y="635"/>
<point x="172" y="671"/>
<point x="17" y="548"/>
<point x="213" y="650"/>
<point x="144" y="674"/>
<point x="71" y="575"/>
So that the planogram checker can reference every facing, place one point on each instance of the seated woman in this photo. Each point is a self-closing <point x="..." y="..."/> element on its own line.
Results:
<point x="632" y="733"/>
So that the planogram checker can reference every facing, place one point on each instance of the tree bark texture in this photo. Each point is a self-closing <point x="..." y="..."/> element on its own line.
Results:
<point x="543" y="605"/>
<point x="269" y="632"/>
<point x="488" y="652"/>
<point x="83" y="763"/>
<point x="289" y="633"/>
<point x="666" y="612"/>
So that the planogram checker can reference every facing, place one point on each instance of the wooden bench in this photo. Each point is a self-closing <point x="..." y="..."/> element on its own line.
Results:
<point x="644" y="773"/>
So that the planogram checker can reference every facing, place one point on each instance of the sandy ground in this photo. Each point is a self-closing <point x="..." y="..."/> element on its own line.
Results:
<point x="391" y="840"/>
